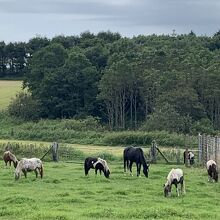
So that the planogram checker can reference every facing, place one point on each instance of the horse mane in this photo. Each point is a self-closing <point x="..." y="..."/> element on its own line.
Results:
<point x="169" y="177"/>
<point x="143" y="160"/>
<point x="103" y="162"/>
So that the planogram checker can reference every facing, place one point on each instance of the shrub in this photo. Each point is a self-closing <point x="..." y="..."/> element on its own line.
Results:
<point x="25" y="107"/>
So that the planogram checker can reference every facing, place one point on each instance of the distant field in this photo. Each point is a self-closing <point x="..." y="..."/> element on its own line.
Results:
<point x="65" y="194"/>
<point x="8" y="90"/>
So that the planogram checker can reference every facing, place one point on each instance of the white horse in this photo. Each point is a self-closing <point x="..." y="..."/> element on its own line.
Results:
<point x="212" y="170"/>
<point x="27" y="165"/>
<point x="175" y="177"/>
<point x="10" y="157"/>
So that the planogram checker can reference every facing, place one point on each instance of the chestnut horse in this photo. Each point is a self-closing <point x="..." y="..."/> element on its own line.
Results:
<point x="10" y="157"/>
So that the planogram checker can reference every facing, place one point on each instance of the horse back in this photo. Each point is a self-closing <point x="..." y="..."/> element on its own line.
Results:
<point x="89" y="161"/>
<point x="133" y="154"/>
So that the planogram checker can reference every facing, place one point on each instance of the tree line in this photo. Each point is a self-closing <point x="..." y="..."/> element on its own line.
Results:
<point x="155" y="82"/>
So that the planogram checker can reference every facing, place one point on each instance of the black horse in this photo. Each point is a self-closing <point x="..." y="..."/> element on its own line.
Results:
<point x="135" y="154"/>
<point x="97" y="164"/>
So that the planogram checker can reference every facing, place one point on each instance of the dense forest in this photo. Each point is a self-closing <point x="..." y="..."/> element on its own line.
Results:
<point x="165" y="82"/>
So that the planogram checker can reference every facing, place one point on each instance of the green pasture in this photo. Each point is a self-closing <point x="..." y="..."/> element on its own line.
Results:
<point x="8" y="90"/>
<point x="65" y="193"/>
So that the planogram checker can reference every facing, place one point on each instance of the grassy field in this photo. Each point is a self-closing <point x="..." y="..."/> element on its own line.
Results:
<point x="8" y="89"/>
<point x="65" y="193"/>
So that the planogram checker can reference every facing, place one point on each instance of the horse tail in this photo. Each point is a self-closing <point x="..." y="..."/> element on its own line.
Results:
<point x="125" y="160"/>
<point x="86" y="166"/>
<point x="125" y="156"/>
<point x="41" y="171"/>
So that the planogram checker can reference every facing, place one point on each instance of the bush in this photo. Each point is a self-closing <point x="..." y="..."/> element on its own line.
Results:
<point x="145" y="138"/>
<point x="25" y="107"/>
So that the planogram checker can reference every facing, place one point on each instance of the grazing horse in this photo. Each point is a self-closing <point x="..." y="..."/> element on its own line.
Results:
<point x="27" y="165"/>
<point x="97" y="164"/>
<point x="175" y="177"/>
<point x="212" y="170"/>
<point x="135" y="154"/>
<point x="190" y="157"/>
<point x="10" y="157"/>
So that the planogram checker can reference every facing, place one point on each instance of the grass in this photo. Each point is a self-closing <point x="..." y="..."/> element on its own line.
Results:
<point x="8" y="90"/>
<point x="65" y="193"/>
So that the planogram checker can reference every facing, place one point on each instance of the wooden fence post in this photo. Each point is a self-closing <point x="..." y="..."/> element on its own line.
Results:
<point x="216" y="149"/>
<point x="186" y="157"/>
<point x="153" y="152"/>
<point x="178" y="155"/>
<point x="55" y="151"/>
<point x="204" y="149"/>
<point x="200" y="148"/>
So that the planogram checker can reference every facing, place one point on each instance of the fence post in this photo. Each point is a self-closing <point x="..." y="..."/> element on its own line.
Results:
<point x="186" y="157"/>
<point x="204" y="149"/>
<point x="178" y="155"/>
<point x="55" y="151"/>
<point x="153" y="152"/>
<point x="216" y="149"/>
<point x="200" y="148"/>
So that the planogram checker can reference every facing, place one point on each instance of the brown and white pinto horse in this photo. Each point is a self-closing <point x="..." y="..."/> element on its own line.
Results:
<point x="10" y="157"/>
<point x="174" y="177"/>
<point x="27" y="165"/>
<point x="212" y="170"/>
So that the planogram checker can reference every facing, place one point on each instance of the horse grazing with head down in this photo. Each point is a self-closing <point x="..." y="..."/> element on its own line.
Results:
<point x="27" y="165"/>
<point x="174" y="177"/>
<point x="10" y="157"/>
<point x="135" y="155"/>
<point x="97" y="164"/>
<point x="212" y="170"/>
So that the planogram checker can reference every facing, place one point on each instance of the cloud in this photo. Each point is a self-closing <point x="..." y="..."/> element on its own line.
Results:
<point x="128" y="17"/>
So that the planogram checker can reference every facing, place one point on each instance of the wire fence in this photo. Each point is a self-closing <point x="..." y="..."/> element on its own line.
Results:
<point x="208" y="148"/>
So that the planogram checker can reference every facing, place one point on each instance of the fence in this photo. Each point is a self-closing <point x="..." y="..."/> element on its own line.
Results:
<point x="208" y="148"/>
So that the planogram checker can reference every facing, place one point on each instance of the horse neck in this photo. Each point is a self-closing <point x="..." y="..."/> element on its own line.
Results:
<point x="143" y="161"/>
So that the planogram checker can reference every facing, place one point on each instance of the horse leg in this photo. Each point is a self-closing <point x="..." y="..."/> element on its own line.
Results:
<point x="183" y="190"/>
<point x="25" y="173"/>
<point x="130" y="167"/>
<point x="177" y="189"/>
<point x="100" y="171"/>
<point x="138" y="171"/>
<point x="10" y="162"/>
<point x="125" y="161"/>
<point x="36" y="173"/>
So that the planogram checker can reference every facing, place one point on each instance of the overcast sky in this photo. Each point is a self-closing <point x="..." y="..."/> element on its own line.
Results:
<point x="21" y="20"/>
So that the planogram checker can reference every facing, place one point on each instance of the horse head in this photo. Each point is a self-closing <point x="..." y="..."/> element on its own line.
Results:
<point x="17" y="174"/>
<point x="167" y="190"/>
<point x="146" y="170"/>
<point x="107" y="173"/>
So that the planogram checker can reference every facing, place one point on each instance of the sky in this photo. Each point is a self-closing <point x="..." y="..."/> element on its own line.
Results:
<point x="21" y="20"/>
